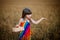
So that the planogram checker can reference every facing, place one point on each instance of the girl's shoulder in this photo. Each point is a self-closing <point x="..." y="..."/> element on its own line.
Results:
<point x="21" y="20"/>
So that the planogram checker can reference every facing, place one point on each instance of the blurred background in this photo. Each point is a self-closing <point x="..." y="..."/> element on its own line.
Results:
<point x="10" y="13"/>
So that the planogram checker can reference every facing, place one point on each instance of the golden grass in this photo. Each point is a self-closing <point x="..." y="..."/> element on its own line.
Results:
<point x="45" y="30"/>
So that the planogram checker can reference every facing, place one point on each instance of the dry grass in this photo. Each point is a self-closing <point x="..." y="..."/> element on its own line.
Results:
<point x="10" y="14"/>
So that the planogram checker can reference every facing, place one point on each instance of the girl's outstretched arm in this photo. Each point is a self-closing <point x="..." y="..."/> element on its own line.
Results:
<point x="36" y="22"/>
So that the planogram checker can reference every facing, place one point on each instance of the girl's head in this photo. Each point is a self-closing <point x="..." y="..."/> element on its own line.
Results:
<point x="26" y="13"/>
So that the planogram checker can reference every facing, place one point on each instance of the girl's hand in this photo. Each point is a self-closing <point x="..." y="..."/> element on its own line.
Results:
<point x="17" y="26"/>
<point x="44" y="18"/>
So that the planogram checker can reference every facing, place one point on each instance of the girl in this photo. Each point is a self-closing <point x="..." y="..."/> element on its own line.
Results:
<point x="24" y="25"/>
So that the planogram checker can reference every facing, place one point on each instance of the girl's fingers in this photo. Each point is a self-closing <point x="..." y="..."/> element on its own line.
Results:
<point x="44" y="18"/>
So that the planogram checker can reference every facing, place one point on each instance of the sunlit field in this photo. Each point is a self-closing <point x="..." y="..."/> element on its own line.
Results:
<point x="10" y="13"/>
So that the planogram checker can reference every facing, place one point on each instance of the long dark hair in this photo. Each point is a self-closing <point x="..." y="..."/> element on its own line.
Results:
<point x="25" y="12"/>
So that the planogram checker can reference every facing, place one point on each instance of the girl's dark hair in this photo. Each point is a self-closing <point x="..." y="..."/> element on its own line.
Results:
<point x="25" y="12"/>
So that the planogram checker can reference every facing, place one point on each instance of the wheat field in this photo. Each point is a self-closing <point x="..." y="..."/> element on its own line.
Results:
<point x="10" y="13"/>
